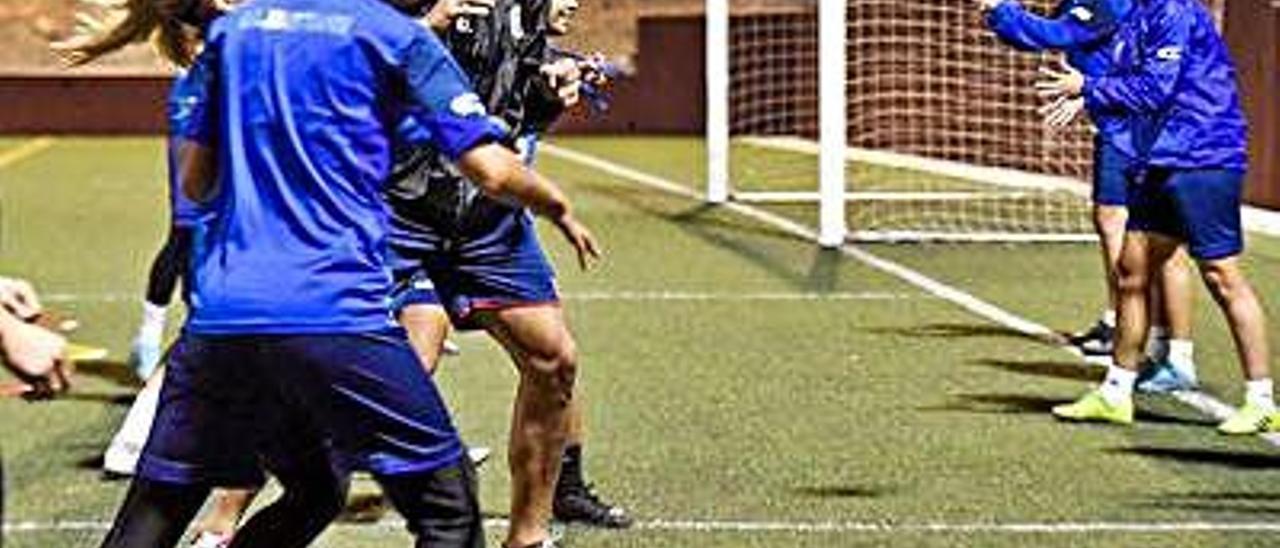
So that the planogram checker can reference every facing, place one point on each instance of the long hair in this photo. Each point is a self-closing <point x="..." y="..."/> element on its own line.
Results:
<point x="132" y="22"/>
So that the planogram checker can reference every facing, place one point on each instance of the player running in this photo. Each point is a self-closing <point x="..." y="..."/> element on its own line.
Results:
<point x="1087" y="32"/>
<point x="1176" y="88"/>
<point x="289" y="335"/>
<point x="477" y="261"/>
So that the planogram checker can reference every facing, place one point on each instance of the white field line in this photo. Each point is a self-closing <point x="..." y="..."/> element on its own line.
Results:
<point x="24" y="151"/>
<point x="596" y="296"/>
<point x="806" y="527"/>
<point x="1201" y="401"/>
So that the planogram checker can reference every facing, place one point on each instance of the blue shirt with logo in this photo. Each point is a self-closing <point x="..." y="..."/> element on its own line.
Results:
<point x="304" y="100"/>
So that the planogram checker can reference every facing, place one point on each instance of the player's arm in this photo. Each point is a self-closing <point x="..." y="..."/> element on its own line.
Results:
<point x="1078" y="24"/>
<point x="32" y="352"/>
<point x="456" y="124"/>
<point x="445" y="12"/>
<point x="197" y="130"/>
<point x="1146" y="89"/>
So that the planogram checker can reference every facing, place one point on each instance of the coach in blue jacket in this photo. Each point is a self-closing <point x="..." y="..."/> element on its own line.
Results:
<point x="1088" y="32"/>
<point x="1177" y="91"/>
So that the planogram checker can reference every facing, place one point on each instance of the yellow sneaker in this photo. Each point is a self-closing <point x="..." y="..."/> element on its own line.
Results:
<point x="1094" y="407"/>
<point x="82" y="353"/>
<point x="1249" y="419"/>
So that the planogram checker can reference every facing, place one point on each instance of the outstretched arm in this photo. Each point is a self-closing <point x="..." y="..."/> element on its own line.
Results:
<point x="1078" y="24"/>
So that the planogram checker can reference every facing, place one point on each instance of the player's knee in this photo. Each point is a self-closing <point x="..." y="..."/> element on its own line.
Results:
<point x="1131" y="276"/>
<point x="1109" y="222"/>
<point x="556" y="368"/>
<point x="1225" y="284"/>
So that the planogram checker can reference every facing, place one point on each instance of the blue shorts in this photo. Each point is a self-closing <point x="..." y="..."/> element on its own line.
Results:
<point x="1111" y="174"/>
<point x="504" y="267"/>
<point x="1200" y="207"/>
<point x="231" y="404"/>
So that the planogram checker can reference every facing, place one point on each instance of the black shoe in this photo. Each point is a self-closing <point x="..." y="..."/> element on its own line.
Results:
<point x="1097" y="341"/>
<point x="580" y="504"/>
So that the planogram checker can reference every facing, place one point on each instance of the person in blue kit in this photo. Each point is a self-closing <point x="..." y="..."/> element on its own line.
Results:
<point x="290" y="354"/>
<point x="1088" y="32"/>
<point x="1177" y="90"/>
<point x="475" y="261"/>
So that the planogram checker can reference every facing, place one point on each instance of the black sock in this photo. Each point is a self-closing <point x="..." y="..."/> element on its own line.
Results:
<point x="571" y="466"/>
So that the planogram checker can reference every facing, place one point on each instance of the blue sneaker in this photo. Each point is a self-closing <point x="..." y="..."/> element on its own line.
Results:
<point x="144" y="357"/>
<point x="1162" y="378"/>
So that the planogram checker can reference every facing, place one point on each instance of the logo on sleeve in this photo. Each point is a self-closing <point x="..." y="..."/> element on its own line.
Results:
<point x="1082" y="13"/>
<point x="467" y="104"/>
<point x="516" y="22"/>
<point x="1169" y="53"/>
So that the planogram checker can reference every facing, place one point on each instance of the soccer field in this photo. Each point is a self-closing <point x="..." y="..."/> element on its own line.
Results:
<point x="743" y="387"/>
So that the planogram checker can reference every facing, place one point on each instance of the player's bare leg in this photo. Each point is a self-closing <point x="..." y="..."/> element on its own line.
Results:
<point x="1170" y="348"/>
<point x="1109" y="223"/>
<point x="544" y="351"/>
<point x="1235" y="296"/>
<point x="215" y="528"/>
<point x="428" y="327"/>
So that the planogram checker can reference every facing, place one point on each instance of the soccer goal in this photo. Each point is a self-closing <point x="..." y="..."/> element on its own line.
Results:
<point x="902" y="120"/>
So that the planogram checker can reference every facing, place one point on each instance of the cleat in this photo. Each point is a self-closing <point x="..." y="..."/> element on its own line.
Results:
<point x="144" y="357"/>
<point x="1095" y="408"/>
<point x="83" y="353"/>
<point x="579" y="504"/>
<point x="1251" y="418"/>
<point x="209" y="539"/>
<point x="1163" y="378"/>
<point x="1273" y="423"/>
<point x="1096" y="341"/>
<point x="478" y="455"/>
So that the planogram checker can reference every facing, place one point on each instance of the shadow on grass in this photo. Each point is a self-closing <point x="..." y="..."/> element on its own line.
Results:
<point x="1226" y="502"/>
<point x="365" y="508"/>
<point x="1005" y="404"/>
<point x="1054" y="369"/>
<point x="1237" y="460"/>
<point x="109" y="398"/>
<point x="115" y="372"/>
<point x="844" y="491"/>
<point x="963" y="331"/>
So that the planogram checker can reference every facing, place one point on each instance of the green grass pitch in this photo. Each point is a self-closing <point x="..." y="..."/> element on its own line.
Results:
<point x="744" y="388"/>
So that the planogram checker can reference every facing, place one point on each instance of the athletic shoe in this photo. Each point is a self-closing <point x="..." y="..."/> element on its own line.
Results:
<point x="450" y="348"/>
<point x="1094" y="407"/>
<point x="144" y="357"/>
<point x="1251" y="418"/>
<point x="209" y="539"/>
<point x="1162" y="378"/>
<point x="578" y="503"/>
<point x="1096" y="341"/>
<point x="478" y="455"/>
<point x="84" y="353"/>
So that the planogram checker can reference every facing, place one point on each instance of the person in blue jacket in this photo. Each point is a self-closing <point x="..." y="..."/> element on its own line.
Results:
<point x="1178" y="94"/>
<point x="1087" y="32"/>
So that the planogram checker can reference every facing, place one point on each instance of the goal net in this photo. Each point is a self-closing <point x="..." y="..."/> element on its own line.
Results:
<point x="920" y="124"/>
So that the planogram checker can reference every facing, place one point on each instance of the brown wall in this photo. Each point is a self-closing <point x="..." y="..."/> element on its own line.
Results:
<point x="54" y="104"/>
<point x="1253" y="31"/>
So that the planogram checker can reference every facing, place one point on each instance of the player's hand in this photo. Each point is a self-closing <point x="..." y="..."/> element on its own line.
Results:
<point x="445" y="12"/>
<point x="593" y="70"/>
<point x="580" y="238"/>
<point x="564" y="76"/>
<point x="19" y="298"/>
<point x="1065" y="81"/>
<point x="36" y="356"/>
<point x="1061" y="112"/>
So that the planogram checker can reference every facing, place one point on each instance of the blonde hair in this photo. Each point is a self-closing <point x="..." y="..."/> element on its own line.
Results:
<point x="131" y="22"/>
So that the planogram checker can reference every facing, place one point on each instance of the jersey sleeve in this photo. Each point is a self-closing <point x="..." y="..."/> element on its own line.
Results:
<point x="444" y="111"/>
<point x="1148" y="88"/>
<point x="192" y="108"/>
<point x="1076" y="24"/>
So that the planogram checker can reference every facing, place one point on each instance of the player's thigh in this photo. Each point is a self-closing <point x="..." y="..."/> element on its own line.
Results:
<point x="428" y="327"/>
<point x="538" y="332"/>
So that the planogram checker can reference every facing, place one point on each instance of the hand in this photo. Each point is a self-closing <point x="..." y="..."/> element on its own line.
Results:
<point x="19" y="298"/>
<point x="1061" y="112"/>
<point x="564" y="76"/>
<point x="580" y="238"/>
<point x="1064" y="82"/>
<point x="35" y="355"/>
<point x="593" y="70"/>
<point x="446" y="11"/>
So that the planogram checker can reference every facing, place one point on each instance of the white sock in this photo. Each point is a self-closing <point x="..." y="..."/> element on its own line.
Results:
<point x="1182" y="357"/>
<point x="1259" y="393"/>
<point x="153" y="317"/>
<point x="126" y="446"/>
<point x="1158" y="344"/>
<point x="1117" y="387"/>
<point x="1108" y="317"/>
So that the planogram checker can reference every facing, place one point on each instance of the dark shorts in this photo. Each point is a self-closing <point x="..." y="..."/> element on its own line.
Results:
<point x="1111" y="174"/>
<point x="503" y="268"/>
<point x="1199" y="207"/>
<point x="232" y="404"/>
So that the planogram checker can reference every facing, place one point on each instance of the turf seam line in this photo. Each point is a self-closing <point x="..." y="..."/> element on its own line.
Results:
<point x="803" y="527"/>
<point x="1199" y="400"/>
<point x="25" y="150"/>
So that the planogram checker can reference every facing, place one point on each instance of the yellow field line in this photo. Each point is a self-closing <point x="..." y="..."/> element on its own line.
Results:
<point x="25" y="150"/>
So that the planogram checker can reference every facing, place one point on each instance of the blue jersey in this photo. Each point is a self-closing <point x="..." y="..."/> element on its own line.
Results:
<point x="1177" y="89"/>
<point x="182" y="108"/>
<point x="1085" y="30"/>
<point x="306" y="94"/>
